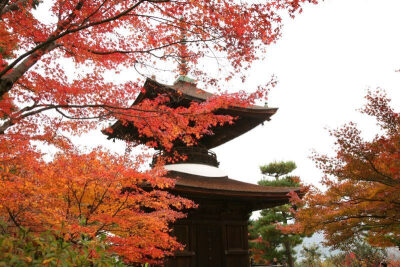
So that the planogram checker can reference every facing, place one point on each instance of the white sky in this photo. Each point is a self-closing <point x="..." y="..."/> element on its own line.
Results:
<point x="325" y="61"/>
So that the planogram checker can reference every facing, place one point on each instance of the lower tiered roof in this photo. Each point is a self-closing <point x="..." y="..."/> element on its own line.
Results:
<point x="255" y="196"/>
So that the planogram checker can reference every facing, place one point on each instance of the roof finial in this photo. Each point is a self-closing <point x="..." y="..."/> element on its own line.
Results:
<point x="183" y="52"/>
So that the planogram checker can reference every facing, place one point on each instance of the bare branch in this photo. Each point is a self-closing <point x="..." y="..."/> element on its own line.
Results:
<point x="151" y="49"/>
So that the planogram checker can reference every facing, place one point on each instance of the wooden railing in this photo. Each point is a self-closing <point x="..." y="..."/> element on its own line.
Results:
<point x="264" y="265"/>
<point x="187" y="155"/>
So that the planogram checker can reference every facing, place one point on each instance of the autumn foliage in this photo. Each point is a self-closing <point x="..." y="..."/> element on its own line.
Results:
<point x="55" y="54"/>
<point x="87" y="195"/>
<point x="362" y="197"/>
<point x="55" y="57"/>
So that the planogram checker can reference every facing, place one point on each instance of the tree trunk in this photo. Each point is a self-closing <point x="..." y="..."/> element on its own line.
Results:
<point x="8" y="80"/>
<point x="288" y="247"/>
<point x="288" y="252"/>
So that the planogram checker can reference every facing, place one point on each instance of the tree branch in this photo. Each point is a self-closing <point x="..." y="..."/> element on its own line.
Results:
<point x="8" y="79"/>
<point x="12" y="217"/>
<point x="5" y="8"/>
<point x="389" y="180"/>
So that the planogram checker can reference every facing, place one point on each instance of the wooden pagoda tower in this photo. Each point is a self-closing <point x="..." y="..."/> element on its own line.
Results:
<point x="215" y="234"/>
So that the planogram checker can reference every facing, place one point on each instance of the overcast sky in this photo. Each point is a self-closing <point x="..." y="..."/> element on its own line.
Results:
<point x="326" y="60"/>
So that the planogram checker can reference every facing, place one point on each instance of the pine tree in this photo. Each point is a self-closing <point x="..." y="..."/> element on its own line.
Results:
<point x="268" y="241"/>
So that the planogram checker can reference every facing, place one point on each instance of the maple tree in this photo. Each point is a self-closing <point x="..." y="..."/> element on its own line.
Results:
<point x="42" y="98"/>
<point x="89" y="195"/>
<point x="109" y="34"/>
<point x="362" y="183"/>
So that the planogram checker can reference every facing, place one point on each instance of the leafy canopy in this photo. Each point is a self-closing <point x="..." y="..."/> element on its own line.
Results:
<point x="56" y="54"/>
<point x="47" y="249"/>
<point x="362" y="183"/>
<point x="277" y="169"/>
<point x="85" y="196"/>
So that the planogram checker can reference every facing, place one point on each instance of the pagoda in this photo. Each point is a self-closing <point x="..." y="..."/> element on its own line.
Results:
<point x="215" y="234"/>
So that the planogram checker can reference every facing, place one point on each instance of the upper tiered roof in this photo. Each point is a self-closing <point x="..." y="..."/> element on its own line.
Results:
<point x="182" y="93"/>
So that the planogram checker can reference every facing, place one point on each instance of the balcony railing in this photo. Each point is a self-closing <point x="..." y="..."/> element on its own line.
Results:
<point x="187" y="155"/>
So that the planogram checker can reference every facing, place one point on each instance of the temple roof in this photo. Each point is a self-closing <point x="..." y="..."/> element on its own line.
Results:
<point x="182" y="93"/>
<point x="256" y="196"/>
<point x="198" y="176"/>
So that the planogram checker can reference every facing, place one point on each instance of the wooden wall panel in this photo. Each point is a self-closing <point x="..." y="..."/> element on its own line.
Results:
<point x="234" y="237"/>
<point x="215" y="235"/>
<point x="237" y="261"/>
<point x="209" y="245"/>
